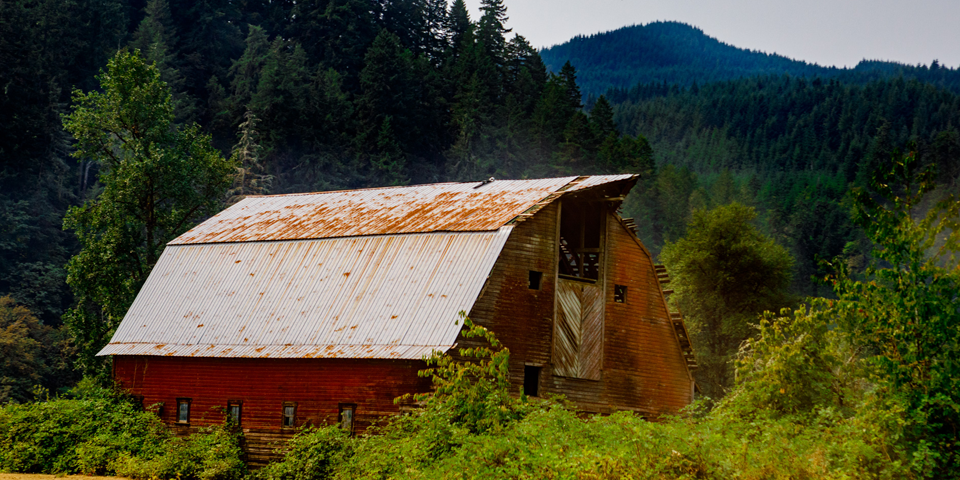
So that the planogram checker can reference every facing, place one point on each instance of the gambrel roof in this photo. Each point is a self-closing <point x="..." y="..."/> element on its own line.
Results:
<point x="373" y="273"/>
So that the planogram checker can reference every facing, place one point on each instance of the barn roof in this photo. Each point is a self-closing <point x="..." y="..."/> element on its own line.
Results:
<point x="440" y="207"/>
<point x="377" y="273"/>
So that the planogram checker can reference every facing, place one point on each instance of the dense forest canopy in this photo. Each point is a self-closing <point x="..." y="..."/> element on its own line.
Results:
<point x="680" y="54"/>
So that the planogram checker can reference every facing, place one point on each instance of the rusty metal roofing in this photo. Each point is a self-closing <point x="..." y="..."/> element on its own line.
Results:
<point x="450" y="207"/>
<point x="382" y="296"/>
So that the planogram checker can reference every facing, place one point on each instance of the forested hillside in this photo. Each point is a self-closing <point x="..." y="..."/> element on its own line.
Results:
<point x="792" y="147"/>
<point x="679" y="54"/>
<point x="331" y="94"/>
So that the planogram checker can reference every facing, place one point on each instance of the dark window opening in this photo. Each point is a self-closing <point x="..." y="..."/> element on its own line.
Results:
<point x="535" y="278"/>
<point x="581" y="239"/>
<point x="531" y="381"/>
<point x="347" y="411"/>
<point x="183" y="410"/>
<point x="289" y="415"/>
<point x="620" y="293"/>
<point x="233" y="411"/>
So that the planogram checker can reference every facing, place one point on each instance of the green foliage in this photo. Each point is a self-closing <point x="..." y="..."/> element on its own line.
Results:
<point x="158" y="181"/>
<point x="98" y="431"/>
<point x="796" y="365"/>
<point x="725" y="273"/>
<point x="903" y="311"/>
<point x="30" y="354"/>
<point x="312" y="454"/>
<point x="472" y="394"/>
<point x="85" y="434"/>
<point x="212" y="454"/>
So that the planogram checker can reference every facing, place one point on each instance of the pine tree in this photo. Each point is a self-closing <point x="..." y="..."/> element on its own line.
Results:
<point x="156" y="39"/>
<point x="601" y="118"/>
<point x="249" y="177"/>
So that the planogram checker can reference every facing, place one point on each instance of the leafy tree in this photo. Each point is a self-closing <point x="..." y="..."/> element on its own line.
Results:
<point x="158" y="181"/>
<point x="31" y="354"/>
<point x="725" y="273"/>
<point x="903" y="312"/>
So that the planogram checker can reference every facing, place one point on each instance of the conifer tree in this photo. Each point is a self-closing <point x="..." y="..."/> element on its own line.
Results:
<point x="249" y="177"/>
<point x="157" y="41"/>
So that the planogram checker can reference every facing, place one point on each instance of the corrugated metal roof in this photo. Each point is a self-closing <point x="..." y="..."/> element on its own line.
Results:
<point x="384" y="296"/>
<point x="451" y="207"/>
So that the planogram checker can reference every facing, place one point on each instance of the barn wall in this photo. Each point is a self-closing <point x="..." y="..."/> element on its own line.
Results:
<point x="642" y="361"/>
<point x="318" y="386"/>
<point x="643" y="368"/>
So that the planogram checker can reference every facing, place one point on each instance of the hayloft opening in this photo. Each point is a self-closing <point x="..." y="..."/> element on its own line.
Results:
<point x="581" y="239"/>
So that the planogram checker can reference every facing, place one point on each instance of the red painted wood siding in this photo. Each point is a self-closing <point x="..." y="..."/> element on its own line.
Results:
<point x="643" y="362"/>
<point x="318" y="386"/>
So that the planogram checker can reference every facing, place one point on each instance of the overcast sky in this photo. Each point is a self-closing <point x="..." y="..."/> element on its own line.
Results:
<point x="827" y="32"/>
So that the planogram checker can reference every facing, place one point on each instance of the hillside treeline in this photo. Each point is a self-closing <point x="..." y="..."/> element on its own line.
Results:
<point x="332" y="93"/>
<point x="791" y="146"/>
<point x="680" y="54"/>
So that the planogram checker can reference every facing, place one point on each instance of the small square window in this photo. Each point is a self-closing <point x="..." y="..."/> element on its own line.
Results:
<point x="531" y="381"/>
<point x="183" y="410"/>
<point x="535" y="279"/>
<point x="347" y="411"/>
<point x="233" y="411"/>
<point x="289" y="415"/>
<point x="620" y="293"/>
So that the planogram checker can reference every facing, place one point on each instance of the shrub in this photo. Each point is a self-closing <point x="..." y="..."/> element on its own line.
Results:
<point x="76" y="435"/>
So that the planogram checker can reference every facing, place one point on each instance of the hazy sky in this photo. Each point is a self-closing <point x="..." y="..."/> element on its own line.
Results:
<point x="837" y="32"/>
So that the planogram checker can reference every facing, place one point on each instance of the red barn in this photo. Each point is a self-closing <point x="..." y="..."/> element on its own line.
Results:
<point x="315" y="308"/>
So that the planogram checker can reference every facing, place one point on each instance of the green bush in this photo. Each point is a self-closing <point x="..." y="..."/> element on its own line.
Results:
<point x="213" y="454"/>
<point x="102" y="431"/>
<point x="76" y="435"/>
<point x="312" y="454"/>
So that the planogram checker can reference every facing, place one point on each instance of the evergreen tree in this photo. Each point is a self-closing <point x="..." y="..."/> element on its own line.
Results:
<point x="248" y="177"/>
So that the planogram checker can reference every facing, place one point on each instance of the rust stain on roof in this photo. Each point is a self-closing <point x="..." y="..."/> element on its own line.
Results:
<point x="442" y="207"/>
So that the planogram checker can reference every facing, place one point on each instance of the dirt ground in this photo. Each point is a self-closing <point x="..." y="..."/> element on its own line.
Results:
<point x="37" y="476"/>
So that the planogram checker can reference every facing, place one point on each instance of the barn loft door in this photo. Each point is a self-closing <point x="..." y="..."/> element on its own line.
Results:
<point x="578" y="339"/>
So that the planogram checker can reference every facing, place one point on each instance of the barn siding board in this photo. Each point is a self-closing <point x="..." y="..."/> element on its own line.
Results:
<point x="318" y="386"/>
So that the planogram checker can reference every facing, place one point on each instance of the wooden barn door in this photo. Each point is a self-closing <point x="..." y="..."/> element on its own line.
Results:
<point x="578" y="336"/>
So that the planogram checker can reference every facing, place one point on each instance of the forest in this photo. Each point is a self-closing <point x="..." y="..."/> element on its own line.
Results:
<point x="806" y="214"/>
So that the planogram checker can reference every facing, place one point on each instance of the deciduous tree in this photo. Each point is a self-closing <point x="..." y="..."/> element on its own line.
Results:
<point x="158" y="181"/>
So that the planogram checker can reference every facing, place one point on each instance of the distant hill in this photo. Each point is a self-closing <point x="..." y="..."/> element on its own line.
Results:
<point x="680" y="54"/>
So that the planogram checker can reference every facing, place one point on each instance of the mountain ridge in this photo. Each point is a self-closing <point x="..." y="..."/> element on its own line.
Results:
<point x="681" y="54"/>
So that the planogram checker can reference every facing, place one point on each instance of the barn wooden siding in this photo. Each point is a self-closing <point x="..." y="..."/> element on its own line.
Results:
<point x="318" y="386"/>
<point x="643" y="368"/>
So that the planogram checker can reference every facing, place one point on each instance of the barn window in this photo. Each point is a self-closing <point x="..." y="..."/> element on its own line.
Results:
<point x="289" y="415"/>
<point x="183" y="410"/>
<point x="233" y="411"/>
<point x="531" y="381"/>
<point x="535" y="279"/>
<point x="347" y="411"/>
<point x="620" y="293"/>
<point x="581" y="239"/>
